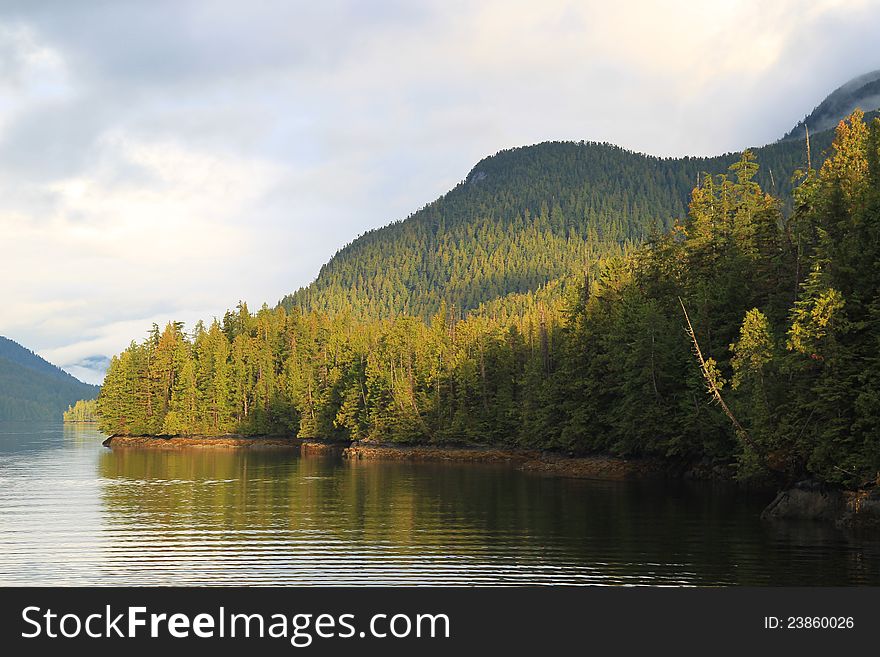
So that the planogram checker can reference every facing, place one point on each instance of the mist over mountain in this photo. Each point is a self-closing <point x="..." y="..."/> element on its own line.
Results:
<point x="31" y="388"/>
<point x="861" y="92"/>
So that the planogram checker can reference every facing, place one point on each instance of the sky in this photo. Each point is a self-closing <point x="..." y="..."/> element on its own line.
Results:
<point x="164" y="160"/>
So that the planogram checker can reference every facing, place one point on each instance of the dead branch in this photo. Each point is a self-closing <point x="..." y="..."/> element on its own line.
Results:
<point x="710" y="383"/>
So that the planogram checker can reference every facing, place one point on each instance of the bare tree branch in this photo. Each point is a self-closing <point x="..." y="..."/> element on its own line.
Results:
<point x="710" y="383"/>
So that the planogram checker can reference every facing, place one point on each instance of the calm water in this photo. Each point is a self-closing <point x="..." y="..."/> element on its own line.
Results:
<point x="73" y="512"/>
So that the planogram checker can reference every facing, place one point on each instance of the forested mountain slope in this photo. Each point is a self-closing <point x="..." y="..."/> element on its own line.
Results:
<point x="525" y="217"/>
<point x="34" y="389"/>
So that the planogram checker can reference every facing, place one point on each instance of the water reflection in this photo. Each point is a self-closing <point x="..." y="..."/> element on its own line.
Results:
<point x="81" y="434"/>
<point x="73" y="512"/>
<point x="273" y="517"/>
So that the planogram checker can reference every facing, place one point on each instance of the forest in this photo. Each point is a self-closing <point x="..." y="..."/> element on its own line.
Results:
<point x="748" y="331"/>
<point x="84" y="410"/>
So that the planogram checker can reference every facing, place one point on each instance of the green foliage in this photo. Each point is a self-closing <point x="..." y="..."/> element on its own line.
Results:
<point x="786" y="308"/>
<point x="753" y="351"/>
<point x="85" y="410"/>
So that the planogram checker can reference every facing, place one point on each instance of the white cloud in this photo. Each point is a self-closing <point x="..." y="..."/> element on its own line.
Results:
<point x="162" y="161"/>
<point x="165" y="237"/>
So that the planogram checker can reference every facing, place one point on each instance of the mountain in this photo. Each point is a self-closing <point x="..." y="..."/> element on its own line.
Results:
<point x="861" y="92"/>
<point x="523" y="218"/>
<point x="34" y="389"/>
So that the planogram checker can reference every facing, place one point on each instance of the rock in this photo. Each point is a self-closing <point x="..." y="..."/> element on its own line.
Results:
<point x="322" y="448"/>
<point x="814" y="500"/>
<point x="806" y="502"/>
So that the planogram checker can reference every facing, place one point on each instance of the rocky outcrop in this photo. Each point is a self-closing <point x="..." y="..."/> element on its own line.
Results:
<point x="812" y="500"/>
<point x="806" y="500"/>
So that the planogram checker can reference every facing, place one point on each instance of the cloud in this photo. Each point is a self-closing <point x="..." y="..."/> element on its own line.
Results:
<point x="26" y="65"/>
<point x="163" y="160"/>
<point x="146" y="228"/>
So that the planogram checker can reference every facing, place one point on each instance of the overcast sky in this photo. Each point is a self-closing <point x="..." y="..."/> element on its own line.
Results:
<point x="162" y="160"/>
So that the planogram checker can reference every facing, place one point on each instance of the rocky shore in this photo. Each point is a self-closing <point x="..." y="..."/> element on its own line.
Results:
<point x="307" y="447"/>
<point x="357" y="451"/>
<point x="180" y="442"/>
<point x="811" y="500"/>
<point x="533" y="461"/>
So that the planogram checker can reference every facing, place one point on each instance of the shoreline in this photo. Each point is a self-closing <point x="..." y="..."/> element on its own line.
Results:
<point x="805" y="500"/>
<point x="597" y="466"/>
<point x="533" y="461"/>
<point x="181" y="442"/>
<point x="306" y="446"/>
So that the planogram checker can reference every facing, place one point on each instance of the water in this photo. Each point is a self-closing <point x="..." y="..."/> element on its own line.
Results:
<point x="75" y="513"/>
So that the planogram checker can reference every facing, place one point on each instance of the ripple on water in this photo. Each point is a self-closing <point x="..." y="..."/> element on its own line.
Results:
<point x="75" y="513"/>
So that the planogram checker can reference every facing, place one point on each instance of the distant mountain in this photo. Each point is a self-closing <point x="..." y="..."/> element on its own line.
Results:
<point x="523" y="218"/>
<point x="34" y="389"/>
<point x="862" y="92"/>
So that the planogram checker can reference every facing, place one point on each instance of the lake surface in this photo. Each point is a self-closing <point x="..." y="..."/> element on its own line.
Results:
<point x="75" y="513"/>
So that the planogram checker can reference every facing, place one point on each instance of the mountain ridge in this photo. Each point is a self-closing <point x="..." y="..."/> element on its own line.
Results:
<point x="522" y="218"/>
<point x="31" y="388"/>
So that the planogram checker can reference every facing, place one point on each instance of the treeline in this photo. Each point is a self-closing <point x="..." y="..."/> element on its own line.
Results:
<point x="329" y="376"/>
<point x="85" y="410"/>
<point x="521" y="219"/>
<point x="785" y="311"/>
